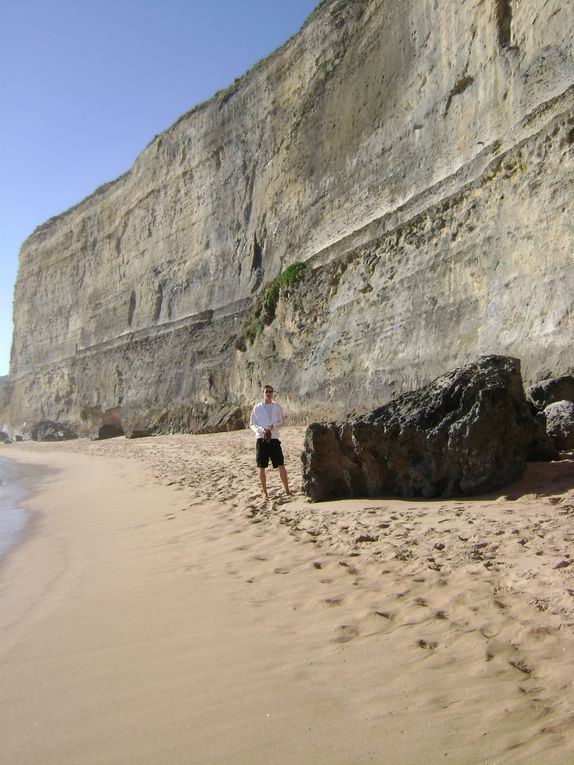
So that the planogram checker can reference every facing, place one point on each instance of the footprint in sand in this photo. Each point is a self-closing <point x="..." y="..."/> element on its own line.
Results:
<point x="499" y="604"/>
<point x="429" y="645"/>
<point x="521" y="666"/>
<point x="349" y="568"/>
<point x="346" y="633"/>
<point x="282" y="500"/>
<point x="364" y="538"/>
<point x="509" y="653"/>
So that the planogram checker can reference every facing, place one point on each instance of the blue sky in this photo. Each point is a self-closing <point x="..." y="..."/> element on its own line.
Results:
<point x="85" y="86"/>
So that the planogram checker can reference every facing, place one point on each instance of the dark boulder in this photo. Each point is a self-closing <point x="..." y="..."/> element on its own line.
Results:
<point x="4" y="437"/>
<point x="47" y="430"/>
<point x="550" y="391"/>
<point x="559" y="417"/>
<point x="467" y="432"/>
<point x="107" y="430"/>
<point x="541" y="448"/>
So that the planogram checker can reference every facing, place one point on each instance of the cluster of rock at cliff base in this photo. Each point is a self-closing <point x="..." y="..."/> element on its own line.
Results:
<point x="185" y="418"/>
<point x="46" y="430"/>
<point x="113" y="423"/>
<point x="553" y="401"/>
<point x="468" y="432"/>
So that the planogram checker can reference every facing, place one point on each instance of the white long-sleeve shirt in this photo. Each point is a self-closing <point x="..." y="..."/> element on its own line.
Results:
<point x="266" y="416"/>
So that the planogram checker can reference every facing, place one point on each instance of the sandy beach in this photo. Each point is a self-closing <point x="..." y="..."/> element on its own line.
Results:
<point x="159" y="611"/>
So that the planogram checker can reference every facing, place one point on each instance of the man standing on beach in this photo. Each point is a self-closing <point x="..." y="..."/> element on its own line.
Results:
<point x="266" y="420"/>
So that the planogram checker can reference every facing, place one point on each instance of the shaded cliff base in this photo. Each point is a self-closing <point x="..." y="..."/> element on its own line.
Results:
<point x="438" y="631"/>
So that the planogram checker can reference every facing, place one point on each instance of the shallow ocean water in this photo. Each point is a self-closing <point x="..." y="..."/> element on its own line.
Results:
<point x="16" y="483"/>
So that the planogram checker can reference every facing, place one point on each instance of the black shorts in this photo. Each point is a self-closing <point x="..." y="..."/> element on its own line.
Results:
<point x="266" y="450"/>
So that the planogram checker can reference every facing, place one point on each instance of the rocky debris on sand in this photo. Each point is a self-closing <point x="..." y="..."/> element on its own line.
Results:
<point x="467" y="432"/>
<point x="550" y="391"/>
<point x="559" y="418"/>
<point x="47" y="430"/>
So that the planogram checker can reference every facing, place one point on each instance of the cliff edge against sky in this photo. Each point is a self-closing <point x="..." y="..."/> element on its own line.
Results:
<point x="417" y="156"/>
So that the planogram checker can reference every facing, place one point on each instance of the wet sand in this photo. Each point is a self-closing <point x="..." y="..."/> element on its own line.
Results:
<point x="160" y="611"/>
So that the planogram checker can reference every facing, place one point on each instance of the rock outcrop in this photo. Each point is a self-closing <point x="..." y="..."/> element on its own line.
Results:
<point x="467" y="432"/>
<point x="559" y="419"/>
<point x="46" y="430"/>
<point x="103" y="432"/>
<point x="549" y="391"/>
<point x="418" y="161"/>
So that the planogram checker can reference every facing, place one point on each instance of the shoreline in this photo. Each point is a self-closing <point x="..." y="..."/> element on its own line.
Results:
<point x="21" y="489"/>
<point x="171" y="615"/>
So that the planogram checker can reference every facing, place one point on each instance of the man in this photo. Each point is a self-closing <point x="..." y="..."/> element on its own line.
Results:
<point x="266" y="421"/>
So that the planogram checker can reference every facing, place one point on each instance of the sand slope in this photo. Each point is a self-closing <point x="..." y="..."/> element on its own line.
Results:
<point x="160" y="612"/>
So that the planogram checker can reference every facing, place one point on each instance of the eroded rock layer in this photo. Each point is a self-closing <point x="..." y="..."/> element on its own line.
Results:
<point x="417" y="156"/>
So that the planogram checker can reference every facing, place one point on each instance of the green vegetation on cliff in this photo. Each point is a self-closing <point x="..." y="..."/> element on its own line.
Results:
<point x="262" y="311"/>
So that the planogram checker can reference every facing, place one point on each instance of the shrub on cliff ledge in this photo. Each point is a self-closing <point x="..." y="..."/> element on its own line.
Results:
<point x="262" y="312"/>
<point x="286" y="279"/>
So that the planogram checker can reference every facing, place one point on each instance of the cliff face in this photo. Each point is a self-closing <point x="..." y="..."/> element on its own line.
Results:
<point x="418" y="156"/>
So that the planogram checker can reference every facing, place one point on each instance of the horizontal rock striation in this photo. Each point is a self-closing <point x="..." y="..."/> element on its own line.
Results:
<point x="418" y="160"/>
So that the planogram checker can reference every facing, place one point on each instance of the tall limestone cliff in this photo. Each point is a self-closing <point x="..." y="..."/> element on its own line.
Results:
<point x="416" y="155"/>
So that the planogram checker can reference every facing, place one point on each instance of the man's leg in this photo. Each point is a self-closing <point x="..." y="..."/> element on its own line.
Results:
<point x="283" y="475"/>
<point x="263" y="480"/>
